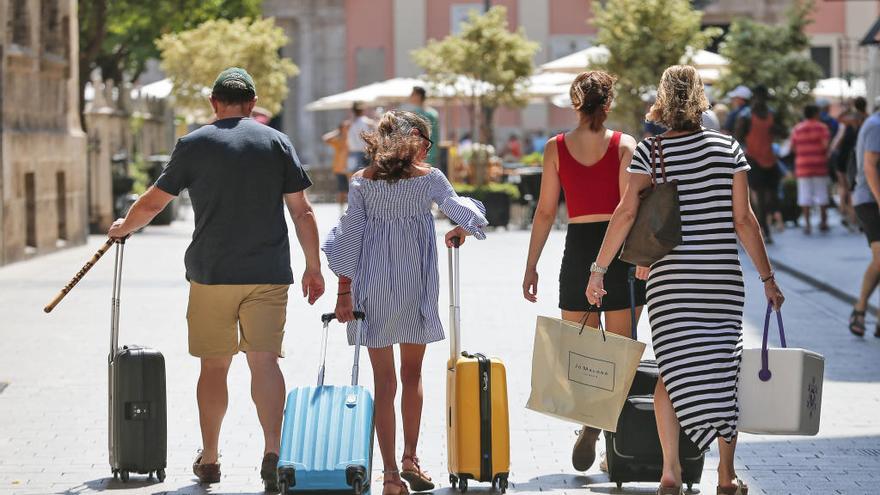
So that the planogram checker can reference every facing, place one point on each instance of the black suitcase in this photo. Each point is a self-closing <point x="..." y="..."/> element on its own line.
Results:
<point x="633" y="452"/>
<point x="137" y="408"/>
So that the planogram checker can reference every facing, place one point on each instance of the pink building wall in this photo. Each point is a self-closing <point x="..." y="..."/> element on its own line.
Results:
<point x="368" y="24"/>
<point x="571" y="17"/>
<point x="829" y="17"/>
<point x="438" y="14"/>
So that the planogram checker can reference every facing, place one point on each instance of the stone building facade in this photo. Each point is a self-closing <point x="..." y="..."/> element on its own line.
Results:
<point x="42" y="145"/>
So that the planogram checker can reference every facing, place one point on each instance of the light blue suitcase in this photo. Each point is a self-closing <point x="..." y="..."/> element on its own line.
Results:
<point x="327" y="438"/>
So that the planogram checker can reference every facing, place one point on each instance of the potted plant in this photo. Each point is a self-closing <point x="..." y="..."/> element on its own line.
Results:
<point x="496" y="197"/>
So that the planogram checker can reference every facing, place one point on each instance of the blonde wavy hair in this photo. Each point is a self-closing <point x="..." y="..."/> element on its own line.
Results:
<point x="681" y="100"/>
<point x="393" y="147"/>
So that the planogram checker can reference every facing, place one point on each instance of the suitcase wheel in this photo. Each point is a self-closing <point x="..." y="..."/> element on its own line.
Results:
<point x="462" y="485"/>
<point x="690" y="487"/>
<point x="283" y="486"/>
<point x="357" y="486"/>
<point x="160" y="475"/>
<point x="500" y="483"/>
<point x="619" y="485"/>
<point x="123" y="475"/>
<point x="453" y="481"/>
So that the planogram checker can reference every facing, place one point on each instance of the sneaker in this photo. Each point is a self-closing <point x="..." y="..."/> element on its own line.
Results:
<point x="269" y="472"/>
<point x="584" y="452"/>
<point x="206" y="473"/>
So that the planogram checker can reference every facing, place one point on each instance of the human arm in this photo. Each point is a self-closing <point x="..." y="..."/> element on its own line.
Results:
<point x="331" y="136"/>
<point x="306" y="227"/>
<point x="627" y="148"/>
<point x="545" y="215"/>
<point x="147" y="206"/>
<point x="468" y="213"/>
<point x="872" y="174"/>
<point x="741" y="126"/>
<point x="748" y="231"/>
<point x="838" y="137"/>
<point x="344" y="302"/>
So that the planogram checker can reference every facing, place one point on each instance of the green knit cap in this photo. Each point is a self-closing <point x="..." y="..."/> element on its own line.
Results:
<point x="234" y="79"/>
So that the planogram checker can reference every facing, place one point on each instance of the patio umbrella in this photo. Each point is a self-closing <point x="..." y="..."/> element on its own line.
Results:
<point x="839" y="88"/>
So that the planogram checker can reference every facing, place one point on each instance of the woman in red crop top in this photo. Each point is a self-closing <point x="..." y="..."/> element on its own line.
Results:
<point x="589" y="165"/>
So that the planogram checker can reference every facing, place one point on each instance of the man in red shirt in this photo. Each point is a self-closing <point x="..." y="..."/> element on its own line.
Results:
<point x="809" y="140"/>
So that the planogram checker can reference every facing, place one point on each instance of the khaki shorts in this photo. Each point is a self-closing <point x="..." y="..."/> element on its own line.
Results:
<point x="226" y="319"/>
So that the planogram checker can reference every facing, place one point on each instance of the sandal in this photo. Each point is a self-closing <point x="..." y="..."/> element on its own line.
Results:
<point x="670" y="490"/>
<point x="401" y="486"/>
<point x="418" y="480"/>
<point x="857" y="323"/>
<point x="740" y="489"/>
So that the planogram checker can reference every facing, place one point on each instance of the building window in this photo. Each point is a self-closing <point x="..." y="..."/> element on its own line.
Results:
<point x="19" y="22"/>
<point x="51" y="33"/>
<point x="459" y="12"/>
<point x="30" y="210"/>
<point x="561" y="45"/>
<point x="822" y="56"/>
<point x="61" y="205"/>
<point x="369" y="65"/>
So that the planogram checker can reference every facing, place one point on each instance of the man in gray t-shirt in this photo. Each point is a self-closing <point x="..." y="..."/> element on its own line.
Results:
<point x="865" y="196"/>
<point x="240" y="174"/>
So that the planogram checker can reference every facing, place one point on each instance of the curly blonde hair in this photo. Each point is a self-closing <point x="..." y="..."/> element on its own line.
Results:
<point x="681" y="100"/>
<point x="591" y="94"/>
<point x="393" y="147"/>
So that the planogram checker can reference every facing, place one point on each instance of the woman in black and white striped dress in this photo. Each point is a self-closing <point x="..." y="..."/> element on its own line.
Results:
<point x="696" y="292"/>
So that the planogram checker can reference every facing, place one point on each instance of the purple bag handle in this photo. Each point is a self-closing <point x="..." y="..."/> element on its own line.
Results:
<point x="765" y="374"/>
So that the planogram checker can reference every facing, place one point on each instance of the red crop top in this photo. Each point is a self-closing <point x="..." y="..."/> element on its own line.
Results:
<point x="593" y="189"/>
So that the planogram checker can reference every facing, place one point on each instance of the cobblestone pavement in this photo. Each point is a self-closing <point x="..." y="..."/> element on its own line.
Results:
<point x="53" y="431"/>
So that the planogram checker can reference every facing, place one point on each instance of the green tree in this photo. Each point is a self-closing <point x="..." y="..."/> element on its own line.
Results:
<point x="774" y="56"/>
<point x="193" y="58"/>
<point x="485" y="62"/>
<point x="119" y="36"/>
<point x="643" y="38"/>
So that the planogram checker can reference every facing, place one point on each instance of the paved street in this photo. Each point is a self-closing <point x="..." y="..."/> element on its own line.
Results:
<point x="53" y="413"/>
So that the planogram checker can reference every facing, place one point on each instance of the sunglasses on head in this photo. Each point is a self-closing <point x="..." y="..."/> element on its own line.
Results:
<point x="426" y="138"/>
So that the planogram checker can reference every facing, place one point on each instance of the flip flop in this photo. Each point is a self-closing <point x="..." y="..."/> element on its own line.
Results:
<point x="857" y="323"/>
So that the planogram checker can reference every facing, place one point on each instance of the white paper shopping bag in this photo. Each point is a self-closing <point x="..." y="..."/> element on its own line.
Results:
<point x="581" y="374"/>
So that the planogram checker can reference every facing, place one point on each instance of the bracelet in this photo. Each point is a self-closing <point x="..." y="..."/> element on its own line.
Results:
<point x="343" y="293"/>
<point x="770" y="277"/>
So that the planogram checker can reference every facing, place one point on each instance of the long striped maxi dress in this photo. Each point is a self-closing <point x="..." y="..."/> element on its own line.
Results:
<point x="695" y="294"/>
<point x="387" y="245"/>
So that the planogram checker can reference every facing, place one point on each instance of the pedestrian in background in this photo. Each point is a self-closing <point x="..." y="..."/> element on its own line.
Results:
<point x="809" y="141"/>
<point x="756" y="126"/>
<point x="865" y="198"/>
<point x="418" y="104"/>
<point x="739" y="101"/>
<point x="695" y="300"/>
<point x="851" y="121"/>
<point x="384" y="251"/>
<point x="360" y="123"/>
<point x="338" y="140"/>
<point x="239" y="174"/>
<point x="589" y="165"/>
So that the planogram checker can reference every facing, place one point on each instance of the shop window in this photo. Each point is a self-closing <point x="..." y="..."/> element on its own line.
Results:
<point x="19" y="22"/>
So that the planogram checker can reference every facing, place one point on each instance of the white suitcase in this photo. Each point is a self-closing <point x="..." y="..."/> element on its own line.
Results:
<point x="780" y="390"/>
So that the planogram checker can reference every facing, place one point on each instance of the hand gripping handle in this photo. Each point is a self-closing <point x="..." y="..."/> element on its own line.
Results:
<point x="326" y="318"/>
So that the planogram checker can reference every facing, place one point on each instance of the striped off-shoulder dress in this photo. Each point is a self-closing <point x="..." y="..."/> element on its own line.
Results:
<point x="387" y="245"/>
<point x="695" y="294"/>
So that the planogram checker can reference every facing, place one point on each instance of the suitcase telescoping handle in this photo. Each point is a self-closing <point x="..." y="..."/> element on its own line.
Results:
<point x="326" y="318"/>
<point x="454" y="302"/>
<point x="114" y="301"/>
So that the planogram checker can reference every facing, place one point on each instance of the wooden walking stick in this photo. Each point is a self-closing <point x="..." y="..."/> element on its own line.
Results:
<point x="79" y="275"/>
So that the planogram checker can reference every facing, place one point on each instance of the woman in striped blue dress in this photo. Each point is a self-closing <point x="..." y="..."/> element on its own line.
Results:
<point x="696" y="292"/>
<point x="384" y="252"/>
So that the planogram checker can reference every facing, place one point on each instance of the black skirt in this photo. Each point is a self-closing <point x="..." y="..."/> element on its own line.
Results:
<point x="582" y="244"/>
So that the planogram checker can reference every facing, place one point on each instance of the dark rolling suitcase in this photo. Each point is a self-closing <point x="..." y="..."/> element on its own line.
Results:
<point x="633" y="452"/>
<point x="137" y="407"/>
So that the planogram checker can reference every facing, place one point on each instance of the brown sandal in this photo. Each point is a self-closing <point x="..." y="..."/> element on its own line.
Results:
<point x="418" y="480"/>
<point x="740" y="489"/>
<point x="402" y="489"/>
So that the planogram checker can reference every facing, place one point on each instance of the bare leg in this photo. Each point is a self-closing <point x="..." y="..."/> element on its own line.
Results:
<point x="823" y="218"/>
<point x="620" y="322"/>
<point x="267" y="392"/>
<point x="726" y="470"/>
<point x="584" y="452"/>
<point x="669" y="430"/>
<point x="213" y="397"/>
<point x="411" y="356"/>
<point x="871" y="278"/>
<point x="385" y="383"/>
<point x="806" y="213"/>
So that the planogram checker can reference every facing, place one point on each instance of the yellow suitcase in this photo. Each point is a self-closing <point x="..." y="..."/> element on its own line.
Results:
<point x="477" y="422"/>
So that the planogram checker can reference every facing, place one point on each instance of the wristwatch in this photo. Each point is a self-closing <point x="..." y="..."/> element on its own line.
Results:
<point x="601" y="270"/>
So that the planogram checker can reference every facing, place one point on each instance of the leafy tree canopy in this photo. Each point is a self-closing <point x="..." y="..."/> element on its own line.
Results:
<point x="193" y="58"/>
<point x="643" y="38"/>
<point x="497" y="60"/>
<point x="774" y="56"/>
